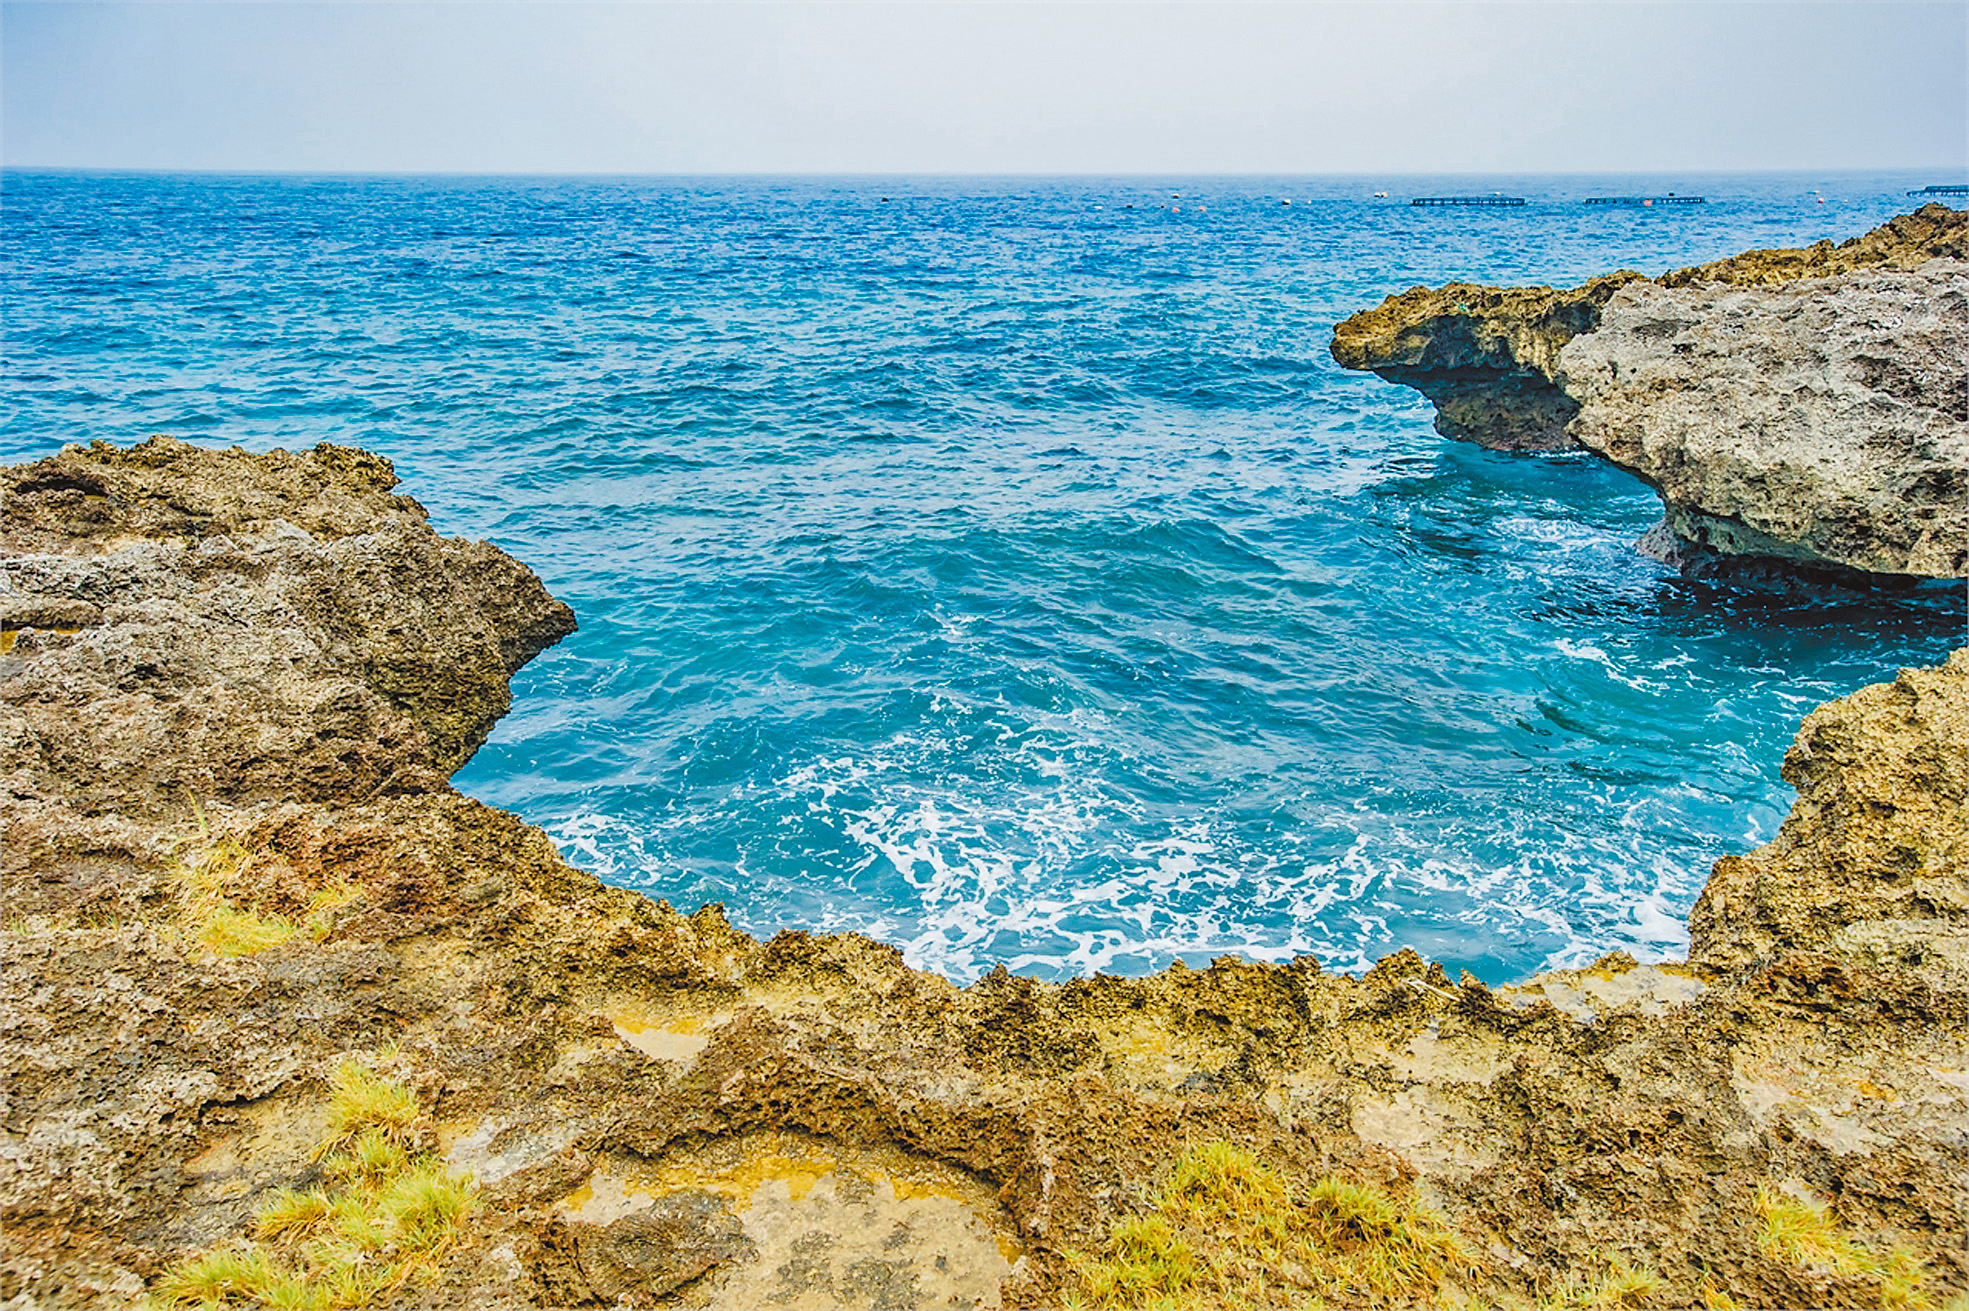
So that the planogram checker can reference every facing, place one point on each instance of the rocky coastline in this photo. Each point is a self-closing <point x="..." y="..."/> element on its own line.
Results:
<point x="1799" y="411"/>
<point x="233" y="690"/>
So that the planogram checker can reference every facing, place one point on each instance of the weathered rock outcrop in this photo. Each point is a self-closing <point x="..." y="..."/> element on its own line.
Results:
<point x="1901" y="244"/>
<point x="658" y="1106"/>
<point x="240" y="628"/>
<point x="1822" y="423"/>
<point x="1809" y="407"/>
<point x="1875" y="850"/>
<point x="1487" y="356"/>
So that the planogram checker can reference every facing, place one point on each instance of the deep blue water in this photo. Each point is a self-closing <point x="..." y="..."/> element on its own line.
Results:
<point x="1001" y="567"/>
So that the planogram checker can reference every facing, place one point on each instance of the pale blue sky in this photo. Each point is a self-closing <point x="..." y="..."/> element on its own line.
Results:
<point x="985" y="87"/>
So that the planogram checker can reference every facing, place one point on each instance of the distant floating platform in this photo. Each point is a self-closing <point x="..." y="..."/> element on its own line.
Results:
<point x="1468" y="200"/>
<point x="1946" y="189"/>
<point x="1670" y="199"/>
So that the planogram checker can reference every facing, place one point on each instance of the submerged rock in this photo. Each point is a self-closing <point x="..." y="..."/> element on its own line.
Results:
<point x="1796" y="410"/>
<point x="839" y="1129"/>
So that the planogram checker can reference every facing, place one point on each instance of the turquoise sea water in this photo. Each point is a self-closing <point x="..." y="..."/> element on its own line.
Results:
<point x="1001" y="567"/>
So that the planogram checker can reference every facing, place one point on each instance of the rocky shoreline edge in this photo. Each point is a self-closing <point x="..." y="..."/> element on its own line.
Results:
<point x="1800" y="412"/>
<point x="258" y="951"/>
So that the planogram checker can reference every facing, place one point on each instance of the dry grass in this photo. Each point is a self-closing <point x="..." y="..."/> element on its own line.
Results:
<point x="288" y="1212"/>
<point x="1802" y="1233"/>
<point x="386" y="1220"/>
<point x="1620" y="1287"/>
<point x="220" y="1276"/>
<point x="210" y="915"/>
<point x="362" y="1102"/>
<point x="209" y="918"/>
<point x="1227" y="1231"/>
<point x="226" y="931"/>
<point x="213" y="906"/>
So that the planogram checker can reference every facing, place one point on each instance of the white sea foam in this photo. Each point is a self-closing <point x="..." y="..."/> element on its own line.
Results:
<point x="1042" y="868"/>
<point x="1596" y="655"/>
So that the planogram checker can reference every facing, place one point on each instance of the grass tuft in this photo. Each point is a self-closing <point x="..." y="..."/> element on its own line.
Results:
<point x="1216" y="1180"/>
<point x="1621" y="1287"/>
<point x="371" y="1157"/>
<point x="324" y="902"/>
<point x="1801" y="1232"/>
<point x="361" y="1099"/>
<point x="227" y="931"/>
<point x="387" y="1219"/>
<point x="423" y="1205"/>
<point x="206" y="913"/>
<point x="289" y="1212"/>
<point x="1228" y="1231"/>
<point x="221" y="1275"/>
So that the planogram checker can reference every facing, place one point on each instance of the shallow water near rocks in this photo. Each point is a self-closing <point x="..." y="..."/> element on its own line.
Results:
<point x="1001" y="568"/>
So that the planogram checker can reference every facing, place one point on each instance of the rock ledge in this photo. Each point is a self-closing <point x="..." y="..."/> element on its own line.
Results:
<point x="1803" y="408"/>
<point x="657" y="1106"/>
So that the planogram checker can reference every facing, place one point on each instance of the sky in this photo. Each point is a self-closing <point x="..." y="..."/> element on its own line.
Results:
<point x="953" y="86"/>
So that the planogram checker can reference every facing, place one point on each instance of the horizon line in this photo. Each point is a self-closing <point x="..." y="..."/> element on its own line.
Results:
<point x="1959" y="169"/>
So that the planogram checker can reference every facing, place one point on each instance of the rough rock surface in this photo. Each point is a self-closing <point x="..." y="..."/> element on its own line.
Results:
<point x="1878" y="841"/>
<point x="1487" y="356"/>
<point x="243" y="628"/>
<point x="1822" y="422"/>
<point x="608" y="1066"/>
<point x="1809" y="407"/>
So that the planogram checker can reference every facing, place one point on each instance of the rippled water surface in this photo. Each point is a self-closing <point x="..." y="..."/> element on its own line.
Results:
<point x="1001" y="567"/>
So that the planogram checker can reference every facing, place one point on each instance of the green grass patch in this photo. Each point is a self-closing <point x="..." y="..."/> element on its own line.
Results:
<point x="385" y="1219"/>
<point x="1802" y="1233"/>
<point x="1227" y="1231"/>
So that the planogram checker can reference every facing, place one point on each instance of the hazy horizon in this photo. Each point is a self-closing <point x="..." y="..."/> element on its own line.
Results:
<point x="964" y="88"/>
<point x="926" y="175"/>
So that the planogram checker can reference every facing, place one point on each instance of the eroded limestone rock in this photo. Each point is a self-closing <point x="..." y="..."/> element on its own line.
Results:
<point x="1875" y="850"/>
<point x="1487" y="356"/>
<point x="654" y="1250"/>
<point x="186" y="623"/>
<point x="1803" y="409"/>
<point x="155" y="1090"/>
<point x="1825" y="423"/>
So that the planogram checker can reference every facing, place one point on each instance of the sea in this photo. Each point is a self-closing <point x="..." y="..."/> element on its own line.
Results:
<point x="1001" y="567"/>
